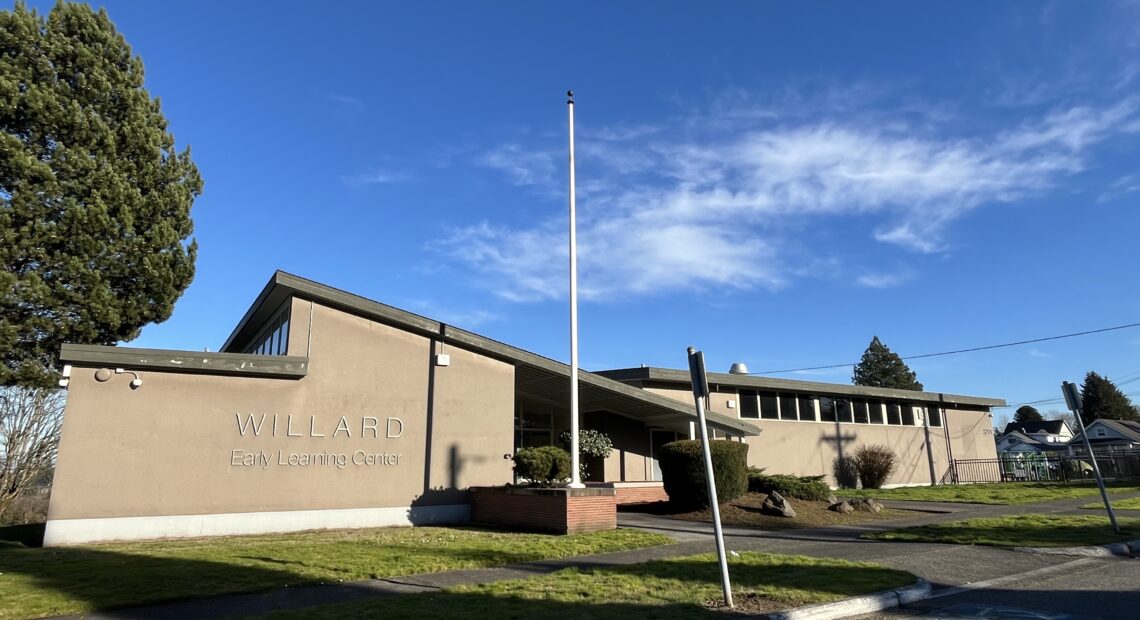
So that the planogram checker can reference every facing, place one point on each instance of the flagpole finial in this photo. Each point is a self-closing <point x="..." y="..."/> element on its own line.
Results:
<point x="570" y="94"/>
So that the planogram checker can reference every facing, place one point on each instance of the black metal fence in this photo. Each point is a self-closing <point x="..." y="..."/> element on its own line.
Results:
<point x="1042" y="468"/>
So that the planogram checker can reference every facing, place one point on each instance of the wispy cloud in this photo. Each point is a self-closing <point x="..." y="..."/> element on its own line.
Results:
<point x="378" y="176"/>
<point x="1126" y="184"/>
<point x="1037" y="353"/>
<point x="721" y="206"/>
<point x="352" y="103"/>
<point x="883" y="280"/>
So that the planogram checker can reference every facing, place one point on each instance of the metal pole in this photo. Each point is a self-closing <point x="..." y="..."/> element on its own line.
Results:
<point x="575" y="476"/>
<point x="1072" y="398"/>
<point x="699" y="398"/>
<point x="929" y="446"/>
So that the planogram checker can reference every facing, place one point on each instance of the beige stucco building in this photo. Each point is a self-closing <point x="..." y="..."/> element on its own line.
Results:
<point x="326" y="410"/>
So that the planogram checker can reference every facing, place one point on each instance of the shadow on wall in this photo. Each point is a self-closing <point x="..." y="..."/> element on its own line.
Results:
<point x="451" y="493"/>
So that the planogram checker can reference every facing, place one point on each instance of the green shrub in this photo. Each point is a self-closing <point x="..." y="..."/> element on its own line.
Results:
<point x="590" y="443"/>
<point x="874" y="464"/>
<point x="683" y="470"/>
<point x="846" y="474"/>
<point x="810" y="488"/>
<point x="544" y="466"/>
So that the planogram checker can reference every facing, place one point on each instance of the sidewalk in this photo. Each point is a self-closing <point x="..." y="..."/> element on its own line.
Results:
<point x="942" y="565"/>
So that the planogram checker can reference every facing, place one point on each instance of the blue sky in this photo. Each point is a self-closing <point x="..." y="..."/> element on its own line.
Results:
<point x="773" y="184"/>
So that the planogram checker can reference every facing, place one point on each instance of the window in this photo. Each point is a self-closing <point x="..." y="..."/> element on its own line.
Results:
<point x="861" y="416"/>
<point x="807" y="407"/>
<point x="826" y="409"/>
<point x="749" y="407"/>
<point x="787" y="406"/>
<point x="894" y="414"/>
<point x="274" y="339"/>
<point x="907" y="415"/>
<point x="843" y="410"/>
<point x="533" y="429"/>
<point x="935" y="415"/>
<point x="769" y="406"/>
<point x="875" y="411"/>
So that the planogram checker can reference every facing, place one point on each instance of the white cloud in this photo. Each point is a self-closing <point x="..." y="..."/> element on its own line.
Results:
<point x="379" y="176"/>
<point x="883" y="280"/>
<point x="451" y="316"/>
<point x="721" y="207"/>
<point x="1126" y="184"/>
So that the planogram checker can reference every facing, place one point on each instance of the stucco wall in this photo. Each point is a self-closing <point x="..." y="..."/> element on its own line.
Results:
<point x="174" y="446"/>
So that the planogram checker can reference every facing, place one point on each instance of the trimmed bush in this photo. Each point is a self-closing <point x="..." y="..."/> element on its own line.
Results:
<point x="810" y="488"/>
<point x="874" y="464"/>
<point x="544" y="466"/>
<point x="590" y="443"/>
<point x="683" y="470"/>
<point x="846" y="474"/>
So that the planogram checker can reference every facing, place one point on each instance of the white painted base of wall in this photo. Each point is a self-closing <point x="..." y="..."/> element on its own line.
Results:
<point x="76" y="531"/>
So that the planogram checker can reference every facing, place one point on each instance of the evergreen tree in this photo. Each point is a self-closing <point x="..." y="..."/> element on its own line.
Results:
<point x="1102" y="400"/>
<point x="94" y="198"/>
<point x="1027" y="413"/>
<point x="880" y="367"/>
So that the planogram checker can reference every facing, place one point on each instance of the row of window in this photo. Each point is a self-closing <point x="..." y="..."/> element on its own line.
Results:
<point x="758" y="405"/>
<point x="274" y="339"/>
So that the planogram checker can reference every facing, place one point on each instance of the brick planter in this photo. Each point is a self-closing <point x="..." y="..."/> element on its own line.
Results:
<point x="639" y="492"/>
<point x="559" y="510"/>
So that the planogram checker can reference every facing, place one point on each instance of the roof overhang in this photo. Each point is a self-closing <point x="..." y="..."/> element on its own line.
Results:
<point x="669" y="375"/>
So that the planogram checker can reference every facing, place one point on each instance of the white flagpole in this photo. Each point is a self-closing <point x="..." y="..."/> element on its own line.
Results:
<point x="575" y="477"/>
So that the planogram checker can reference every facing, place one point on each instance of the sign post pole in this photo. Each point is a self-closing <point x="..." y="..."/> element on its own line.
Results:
<point x="1073" y="401"/>
<point x="700" y="393"/>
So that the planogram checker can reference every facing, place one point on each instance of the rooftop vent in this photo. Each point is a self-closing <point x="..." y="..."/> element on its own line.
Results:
<point x="738" y="368"/>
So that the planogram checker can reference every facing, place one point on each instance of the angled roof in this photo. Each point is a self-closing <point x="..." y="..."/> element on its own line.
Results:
<point x="535" y="375"/>
<point x="1128" y="429"/>
<point x="1052" y="427"/>
<point x="769" y="383"/>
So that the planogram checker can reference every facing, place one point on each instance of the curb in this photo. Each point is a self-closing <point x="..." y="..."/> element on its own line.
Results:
<point x="858" y="605"/>
<point x="1130" y="549"/>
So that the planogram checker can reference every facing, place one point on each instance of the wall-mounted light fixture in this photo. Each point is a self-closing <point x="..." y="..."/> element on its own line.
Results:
<point x="66" y="376"/>
<point x="136" y="383"/>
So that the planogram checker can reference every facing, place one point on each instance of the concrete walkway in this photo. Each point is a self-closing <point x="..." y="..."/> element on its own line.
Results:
<point x="945" y="566"/>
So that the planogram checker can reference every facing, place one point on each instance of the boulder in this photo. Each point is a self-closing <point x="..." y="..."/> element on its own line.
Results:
<point x="841" y="507"/>
<point x="776" y="505"/>
<point x="866" y="505"/>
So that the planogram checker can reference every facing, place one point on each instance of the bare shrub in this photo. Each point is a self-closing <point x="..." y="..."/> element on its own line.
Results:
<point x="874" y="464"/>
<point x="29" y="438"/>
<point x="846" y="474"/>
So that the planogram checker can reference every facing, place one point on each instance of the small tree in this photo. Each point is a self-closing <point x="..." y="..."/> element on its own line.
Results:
<point x="94" y="197"/>
<point x="1027" y="413"/>
<point x="874" y="464"/>
<point x="881" y="367"/>
<point x="29" y="438"/>
<point x="1104" y="401"/>
<point x="590" y="443"/>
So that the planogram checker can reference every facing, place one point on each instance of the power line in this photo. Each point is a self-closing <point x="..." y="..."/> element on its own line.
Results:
<point x="970" y="350"/>
<point x="1134" y="377"/>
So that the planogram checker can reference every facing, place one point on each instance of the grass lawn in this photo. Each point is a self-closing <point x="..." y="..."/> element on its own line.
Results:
<point x="1132" y="503"/>
<point x="745" y="512"/>
<point x="40" y="582"/>
<point x="1019" y="531"/>
<point x="676" y="588"/>
<point x="996" y="493"/>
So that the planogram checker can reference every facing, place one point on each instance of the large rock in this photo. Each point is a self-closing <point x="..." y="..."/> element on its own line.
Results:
<point x="831" y="499"/>
<point x="777" y="506"/>
<point x="841" y="507"/>
<point x="866" y="505"/>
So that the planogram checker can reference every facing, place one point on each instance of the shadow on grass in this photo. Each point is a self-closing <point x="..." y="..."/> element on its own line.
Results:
<point x="68" y="579"/>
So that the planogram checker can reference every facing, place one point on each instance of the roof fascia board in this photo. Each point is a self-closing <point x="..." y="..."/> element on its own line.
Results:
<point x="747" y="381"/>
<point x="232" y="364"/>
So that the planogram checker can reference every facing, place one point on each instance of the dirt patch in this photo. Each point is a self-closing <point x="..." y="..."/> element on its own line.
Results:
<point x="745" y="512"/>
